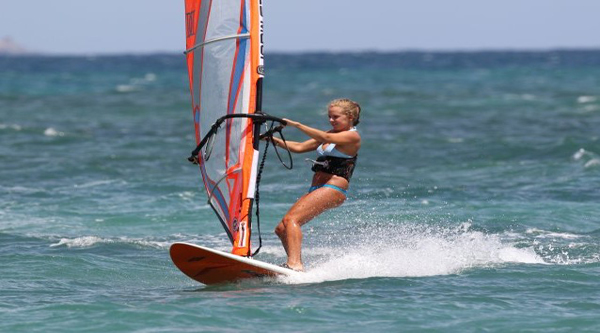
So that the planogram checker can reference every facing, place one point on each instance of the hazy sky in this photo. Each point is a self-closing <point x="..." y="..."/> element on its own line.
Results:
<point x="117" y="26"/>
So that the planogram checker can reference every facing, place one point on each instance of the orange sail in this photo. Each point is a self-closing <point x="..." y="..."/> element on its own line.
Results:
<point x="225" y="61"/>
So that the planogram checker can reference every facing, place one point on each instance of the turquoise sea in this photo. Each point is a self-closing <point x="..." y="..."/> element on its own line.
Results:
<point x="474" y="206"/>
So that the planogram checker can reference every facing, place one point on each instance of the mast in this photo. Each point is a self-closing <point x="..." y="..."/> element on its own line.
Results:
<point x="242" y="244"/>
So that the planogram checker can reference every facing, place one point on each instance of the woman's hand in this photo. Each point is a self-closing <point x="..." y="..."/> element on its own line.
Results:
<point x="292" y="123"/>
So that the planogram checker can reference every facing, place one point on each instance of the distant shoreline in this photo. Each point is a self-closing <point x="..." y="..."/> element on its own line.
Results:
<point x="316" y="52"/>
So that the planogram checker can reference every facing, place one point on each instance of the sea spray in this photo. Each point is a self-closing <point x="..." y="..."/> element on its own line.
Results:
<point x="410" y="250"/>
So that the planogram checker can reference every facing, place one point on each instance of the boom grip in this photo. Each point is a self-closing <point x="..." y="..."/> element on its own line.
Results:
<point x="258" y="117"/>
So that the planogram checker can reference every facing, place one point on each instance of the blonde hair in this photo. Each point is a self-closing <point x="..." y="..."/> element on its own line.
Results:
<point x="349" y="107"/>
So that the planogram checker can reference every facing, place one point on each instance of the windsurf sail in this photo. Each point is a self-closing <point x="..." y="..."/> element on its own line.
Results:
<point x="225" y="66"/>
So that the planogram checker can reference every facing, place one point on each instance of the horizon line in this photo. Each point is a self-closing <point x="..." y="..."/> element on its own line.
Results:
<point x="30" y="53"/>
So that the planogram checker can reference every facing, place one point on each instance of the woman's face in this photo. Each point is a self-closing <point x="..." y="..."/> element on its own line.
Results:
<point x="338" y="119"/>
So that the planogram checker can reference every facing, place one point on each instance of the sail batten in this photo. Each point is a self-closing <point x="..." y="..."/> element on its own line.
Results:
<point x="222" y="51"/>
<point x="218" y="39"/>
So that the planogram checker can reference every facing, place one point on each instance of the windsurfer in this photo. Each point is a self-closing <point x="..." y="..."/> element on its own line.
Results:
<point x="337" y="150"/>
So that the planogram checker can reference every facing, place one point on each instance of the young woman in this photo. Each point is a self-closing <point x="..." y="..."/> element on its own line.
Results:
<point x="337" y="152"/>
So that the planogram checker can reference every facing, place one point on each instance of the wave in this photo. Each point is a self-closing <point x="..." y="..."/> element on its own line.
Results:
<point x="84" y="242"/>
<point x="22" y="189"/>
<point x="561" y="247"/>
<point x="538" y="233"/>
<point x="91" y="241"/>
<point x="586" y="99"/>
<point x="591" y="159"/>
<point x="136" y="84"/>
<point x="389" y="250"/>
<point x="412" y="251"/>
<point x="99" y="183"/>
<point x="53" y="132"/>
<point x="13" y="127"/>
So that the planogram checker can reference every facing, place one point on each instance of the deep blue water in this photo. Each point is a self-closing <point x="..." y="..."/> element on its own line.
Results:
<point x="474" y="206"/>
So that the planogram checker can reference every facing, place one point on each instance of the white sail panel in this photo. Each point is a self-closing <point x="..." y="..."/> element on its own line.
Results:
<point x="221" y="57"/>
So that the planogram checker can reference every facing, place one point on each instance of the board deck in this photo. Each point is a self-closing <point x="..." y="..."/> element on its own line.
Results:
<point x="211" y="266"/>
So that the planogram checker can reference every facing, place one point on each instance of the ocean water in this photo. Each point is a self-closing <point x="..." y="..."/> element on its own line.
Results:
<point x="474" y="206"/>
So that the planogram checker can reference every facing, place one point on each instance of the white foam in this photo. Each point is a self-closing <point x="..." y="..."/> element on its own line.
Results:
<point x="594" y="162"/>
<point x="96" y="183"/>
<point x="125" y="88"/>
<point x="586" y="99"/>
<point x="538" y="233"/>
<point x="187" y="195"/>
<point x="574" y="253"/>
<point x="12" y="126"/>
<point x="79" y="242"/>
<point x="593" y="159"/>
<point x="579" y="154"/>
<point x="456" y="140"/>
<point x="137" y="84"/>
<point x="90" y="241"/>
<point x="424" y="251"/>
<point x="512" y="254"/>
<point x="528" y="97"/>
<point x="22" y="189"/>
<point x="150" y="77"/>
<point x="53" y="132"/>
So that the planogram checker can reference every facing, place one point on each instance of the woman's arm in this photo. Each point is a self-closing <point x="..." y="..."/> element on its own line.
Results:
<point x="297" y="147"/>
<point x="341" y="138"/>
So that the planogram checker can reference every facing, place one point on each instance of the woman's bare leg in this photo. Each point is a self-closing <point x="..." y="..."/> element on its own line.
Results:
<point x="304" y="210"/>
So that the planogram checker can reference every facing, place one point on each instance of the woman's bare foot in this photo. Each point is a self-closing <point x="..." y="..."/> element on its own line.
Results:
<point x="299" y="268"/>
